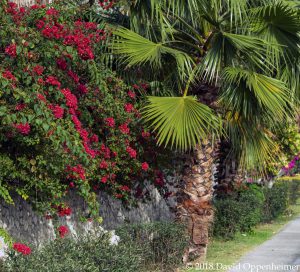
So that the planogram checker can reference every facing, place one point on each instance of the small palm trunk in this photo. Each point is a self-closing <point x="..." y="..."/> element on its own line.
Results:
<point x="195" y="207"/>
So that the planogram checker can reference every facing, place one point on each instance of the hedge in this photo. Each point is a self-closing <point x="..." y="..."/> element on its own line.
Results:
<point x="246" y="207"/>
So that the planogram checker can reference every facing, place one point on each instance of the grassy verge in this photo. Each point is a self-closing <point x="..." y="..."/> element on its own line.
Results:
<point x="229" y="252"/>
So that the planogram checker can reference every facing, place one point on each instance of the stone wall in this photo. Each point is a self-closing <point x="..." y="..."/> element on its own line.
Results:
<point x="24" y="224"/>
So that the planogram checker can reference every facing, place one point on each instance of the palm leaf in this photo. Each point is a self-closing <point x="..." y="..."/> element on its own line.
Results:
<point x="271" y="94"/>
<point x="252" y="143"/>
<point x="137" y="50"/>
<point x="228" y="48"/>
<point x="277" y="23"/>
<point x="180" y="121"/>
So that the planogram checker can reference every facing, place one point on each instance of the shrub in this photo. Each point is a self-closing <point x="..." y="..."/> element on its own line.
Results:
<point x="161" y="245"/>
<point x="294" y="191"/>
<point x="276" y="200"/>
<point x="142" y="247"/>
<point x="240" y="211"/>
<point x="87" y="254"/>
<point x="245" y="208"/>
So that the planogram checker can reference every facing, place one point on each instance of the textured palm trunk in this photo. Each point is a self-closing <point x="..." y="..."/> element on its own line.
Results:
<point x="195" y="207"/>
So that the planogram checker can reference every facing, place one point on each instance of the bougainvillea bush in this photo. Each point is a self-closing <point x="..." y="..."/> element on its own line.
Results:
<point x="66" y="122"/>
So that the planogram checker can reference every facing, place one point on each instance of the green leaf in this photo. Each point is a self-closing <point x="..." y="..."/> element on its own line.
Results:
<point x="180" y="121"/>
<point x="45" y="126"/>
<point x="4" y="193"/>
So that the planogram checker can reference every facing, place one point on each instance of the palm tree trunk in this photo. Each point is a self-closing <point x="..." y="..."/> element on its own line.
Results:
<point x="195" y="207"/>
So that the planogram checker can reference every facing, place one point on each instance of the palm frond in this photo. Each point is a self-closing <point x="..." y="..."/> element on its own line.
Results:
<point x="227" y="48"/>
<point x="137" y="50"/>
<point x="253" y="144"/>
<point x="278" y="23"/>
<point x="238" y="10"/>
<point x="180" y="121"/>
<point x="271" y="94"/>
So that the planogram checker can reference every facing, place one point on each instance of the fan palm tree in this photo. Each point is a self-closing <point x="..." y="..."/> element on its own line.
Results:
<point x="243" y="53"/>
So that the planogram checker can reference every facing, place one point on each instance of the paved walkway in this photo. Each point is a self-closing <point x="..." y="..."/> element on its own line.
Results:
<point x="281" y="253"/>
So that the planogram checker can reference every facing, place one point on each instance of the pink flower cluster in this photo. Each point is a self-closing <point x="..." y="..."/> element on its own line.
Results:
<point x="57" y="111"/>
<point x="23" y="249"/>
<point x="131" y="152"/>
<point x="292" y="165"/>
<point x="71" y="99"/>
<point x="8" y="75"/>
<point x="76" y="172"/>
<point x="52" y="80"/>
<point x="124" y="128"/>
<point x="23" y="128"/>
<point x="11" y="50"/>
<point x="64" y="211"/>
<point x="110" y="122"/>
<point x="63" y="231"/>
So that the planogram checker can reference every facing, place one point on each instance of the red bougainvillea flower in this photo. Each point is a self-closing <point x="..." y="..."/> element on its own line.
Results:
<point x="145" y="134"/>
<point x="8" y="75"/>
<point x="63" y="231"/>
<point x="131" y="152"/>
<point x="40" y="24"/>
<point x="103" y="165"/>
<point x="71" y="98"/>
<point x="64" y="211"/>
<point x="41" y="81"/>
<point x="52" y="80"/>
<point x="94" y="139"/>
<point x="128" y="107"/>
<point x="23" y="128"/>
<point x="82" y="89"/>
<point x="52" y="12"/>
<point x="57" y="111"/>
<point x="11" y="50"/>
<point x="12" y="8"/>
<point x="62" y="64"/>
<point x="38" y="69"/>
<point x="25" y="250"/>
<point x="78" y="170"/>
<point x="89" y="150"/>
<point x="76" y="122"/>
<point x="74" y="76"/>
<point x="124" y="128"/>
<point x="145" y="166"/>
<point x="105" y="151"/>
<point x="109" y="121"/>
<point x="20" y="107"/>
<point x="145" y="86"/>
<point x="104" y="179"/>
<point x="125" y="188"/>
<point x="118" y="195"/>
<point x="131" y="94"/>
<point x="41" y="98"/>
<point x="85" y="53"/>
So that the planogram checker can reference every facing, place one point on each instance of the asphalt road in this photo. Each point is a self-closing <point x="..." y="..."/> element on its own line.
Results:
<point x="281" y="253"/>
